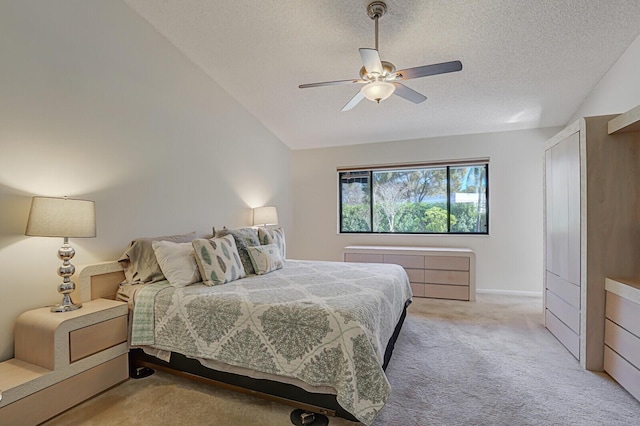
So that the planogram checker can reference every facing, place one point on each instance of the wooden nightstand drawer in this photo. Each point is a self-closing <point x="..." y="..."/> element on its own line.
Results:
<point x="97" y="337"/>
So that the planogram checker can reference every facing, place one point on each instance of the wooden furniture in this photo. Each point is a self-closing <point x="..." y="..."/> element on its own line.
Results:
<point x="442" y="273"/>
<point x="62" y="359"/>
<point x="622" y="334"/>
<point x="592" y="204"/>
<point x="627" y="122"/>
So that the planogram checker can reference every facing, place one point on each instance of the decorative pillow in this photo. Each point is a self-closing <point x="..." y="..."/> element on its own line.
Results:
<point x="265" y="258"/>
<point x="274" y="236"/>
<point x="218" y="260"/>
<point x="177" y="262"/>
<point x="244" y="237"/>
<point x="139" y="261"/>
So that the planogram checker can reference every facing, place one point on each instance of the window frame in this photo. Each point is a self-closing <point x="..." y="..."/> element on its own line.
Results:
<point x="413" y="166"/>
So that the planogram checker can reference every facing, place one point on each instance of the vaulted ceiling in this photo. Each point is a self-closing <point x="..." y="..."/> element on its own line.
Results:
<point x="526" y="63"/>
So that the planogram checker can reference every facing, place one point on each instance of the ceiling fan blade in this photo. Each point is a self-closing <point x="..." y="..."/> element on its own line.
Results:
<point x="353" y="102"/>
<point x="408" y="94"/>
<point x="371" y="60"/>
<point x="331" y="83"/>
<point x="427" y="70"/>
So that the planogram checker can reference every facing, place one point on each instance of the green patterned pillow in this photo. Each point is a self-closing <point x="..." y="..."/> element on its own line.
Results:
<point x="265" y="258"/>
<point x="273" y="236"/>
<point x="244" y="237"/>
<point x="218" y="260"/>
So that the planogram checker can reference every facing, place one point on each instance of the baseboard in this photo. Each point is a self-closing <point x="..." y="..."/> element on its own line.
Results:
<point x="509" y="292"/>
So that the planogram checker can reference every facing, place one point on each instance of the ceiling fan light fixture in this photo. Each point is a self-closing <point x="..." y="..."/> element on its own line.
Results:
<point x="377" y="91"/>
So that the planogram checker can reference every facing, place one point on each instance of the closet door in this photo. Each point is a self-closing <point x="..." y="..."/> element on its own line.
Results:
<point x="562" y="297"/>
<point x="563" y="209"/>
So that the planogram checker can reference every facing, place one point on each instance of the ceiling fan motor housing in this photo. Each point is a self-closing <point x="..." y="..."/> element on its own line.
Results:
<point x="387" y="69"/>
<point x="376" y="9"/>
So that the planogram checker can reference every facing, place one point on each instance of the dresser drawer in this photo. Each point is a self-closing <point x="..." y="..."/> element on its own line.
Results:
<point x="565" y="312"/>
<point x="623" y="342"/>
<point x="566" y="290"/>
<point x="454" y="292"/>
<point x="417" y="290"/>
<point x="415" y="275"/>
<point x="624" y="373"/>
<point x="449" y="263"/>
<point x="623" y="312"/>
<point x="564" y="334"/>
<point x="97" y="337"/>
<point x="363" y="258"/>
<point x="407" y="261"/>
<point x="446" y="277"/>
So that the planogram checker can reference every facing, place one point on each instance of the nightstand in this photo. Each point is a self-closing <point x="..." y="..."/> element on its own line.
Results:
<point x="63" y="359"/>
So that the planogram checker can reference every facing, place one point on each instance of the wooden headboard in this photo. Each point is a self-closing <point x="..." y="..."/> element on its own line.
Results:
<point x="98" y="280"/>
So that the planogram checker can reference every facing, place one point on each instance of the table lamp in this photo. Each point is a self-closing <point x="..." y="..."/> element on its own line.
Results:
<point x="265" y="216"/>
<point x="66" y="218"/>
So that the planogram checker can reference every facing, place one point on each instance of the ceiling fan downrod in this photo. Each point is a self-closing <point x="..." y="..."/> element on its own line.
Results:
<point x="376" y="10"/>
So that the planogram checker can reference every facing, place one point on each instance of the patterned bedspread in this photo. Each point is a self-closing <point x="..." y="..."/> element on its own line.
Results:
<point x="325" y="323"/>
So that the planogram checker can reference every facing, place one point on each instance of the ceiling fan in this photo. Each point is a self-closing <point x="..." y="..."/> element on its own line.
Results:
<point x="380" y="78"/>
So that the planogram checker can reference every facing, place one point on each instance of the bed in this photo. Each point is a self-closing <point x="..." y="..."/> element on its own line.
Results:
<point x="316" y="335"/>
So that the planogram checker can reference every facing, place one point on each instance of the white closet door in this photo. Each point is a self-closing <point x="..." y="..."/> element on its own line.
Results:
<point x="563" y="209"/>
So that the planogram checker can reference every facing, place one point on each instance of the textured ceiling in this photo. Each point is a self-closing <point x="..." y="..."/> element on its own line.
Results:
<point x="527" y="63"/>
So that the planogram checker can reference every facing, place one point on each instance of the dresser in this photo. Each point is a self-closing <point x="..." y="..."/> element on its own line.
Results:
<point x="62" y="359"/>
<point x="622" y="333"/>
<point x="442" y="273"/>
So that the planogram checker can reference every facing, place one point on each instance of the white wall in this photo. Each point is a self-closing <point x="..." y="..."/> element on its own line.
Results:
<point x="95" y="104"/>
<point x="510" y="258"/>
<point x="619" y="90"/>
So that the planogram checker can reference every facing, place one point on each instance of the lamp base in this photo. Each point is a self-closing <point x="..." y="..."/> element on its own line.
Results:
<point x="66" y="287"/>
<point x="67" y="304"/>
<point x="66" y="308"/>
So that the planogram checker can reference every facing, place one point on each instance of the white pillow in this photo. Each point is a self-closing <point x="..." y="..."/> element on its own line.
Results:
<point x="177" y="262"/>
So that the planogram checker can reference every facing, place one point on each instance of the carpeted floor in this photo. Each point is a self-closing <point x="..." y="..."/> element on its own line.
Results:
<point x="456" y="363"/>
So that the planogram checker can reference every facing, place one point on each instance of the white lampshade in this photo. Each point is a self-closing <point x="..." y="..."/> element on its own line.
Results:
<point x="378" y="90"/>
<point x="265" y="216"/>
<point x="61" y="217"/>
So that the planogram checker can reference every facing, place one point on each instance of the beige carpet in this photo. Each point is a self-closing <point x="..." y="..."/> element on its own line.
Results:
<point x="456" y="363"/>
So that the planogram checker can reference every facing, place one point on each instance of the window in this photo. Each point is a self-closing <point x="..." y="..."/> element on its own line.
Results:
<point x="416" y="199"/>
